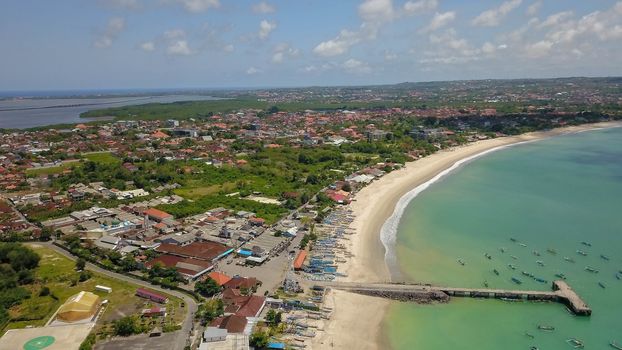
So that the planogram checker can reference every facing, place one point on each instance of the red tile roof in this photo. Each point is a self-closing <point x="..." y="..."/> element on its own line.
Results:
<point x="219" y="278"/>
<point x="157" y="214"/>
<point x="232" y="323"/>
<point x="199" y="250"/>
<point x="300" y="259"/>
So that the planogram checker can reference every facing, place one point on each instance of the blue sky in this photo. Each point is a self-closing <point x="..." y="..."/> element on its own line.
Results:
<point x="99" y="44"/>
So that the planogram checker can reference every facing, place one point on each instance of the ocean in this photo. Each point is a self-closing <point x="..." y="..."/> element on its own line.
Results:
<point x="21" y="113"/>
<point x="533" y="206"/>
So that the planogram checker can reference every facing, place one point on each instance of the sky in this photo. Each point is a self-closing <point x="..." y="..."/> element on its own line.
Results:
<point x="125" y="44"/>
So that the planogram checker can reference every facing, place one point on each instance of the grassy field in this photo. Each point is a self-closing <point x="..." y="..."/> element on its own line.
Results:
<point x="58" y="273"/>
<point x="102" y="157"/>
<point x="51" y="170"/>
<point x="195" y="189"/>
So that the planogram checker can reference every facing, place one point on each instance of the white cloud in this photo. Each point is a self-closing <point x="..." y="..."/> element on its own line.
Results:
<point x="539" y="49"/>
<point x="488" y="48"/>
<point x="196" y="6"/>
<point x="179" y="48"/>
<point x="115" y="26"/>
<point x="283" y="51"/>
<point x="339" y="45"/>
<point x="228" y="48"/>
<point x="440" y="20"/>
<point x="377" y="11"/>
<point x="253" y="71"/>
<point x="122" y="4"/>
<point x="413" y="7"/>
<point x="533" y="9"/>
<point x="493" y="17"/>
<point x="389" y="56"/>
<point x="356" y="67"/>
<point x="148" y="46"/>
<point x="265" y="28"/>
<point x="555" y="19"/>
<point x="263" y="8"/>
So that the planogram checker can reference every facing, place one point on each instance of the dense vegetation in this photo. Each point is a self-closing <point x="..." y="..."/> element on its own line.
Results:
<point x="17" y="264"/>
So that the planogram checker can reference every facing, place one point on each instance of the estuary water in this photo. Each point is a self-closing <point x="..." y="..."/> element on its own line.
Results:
<point x="547" y="208"/>
<point x="18" y="113"/>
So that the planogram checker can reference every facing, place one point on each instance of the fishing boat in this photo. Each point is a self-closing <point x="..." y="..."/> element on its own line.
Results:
<point x="541" y="280"/>
<point x="461" y="262"/>
<point x="528" y="274"/>
<point x="529" y="335"/>
<point x="536" y="253"/>
<point x="513" y="257"/>
<point x="488" y="256"/>
<point x="512" y="266"/>
<point x="539" y="262"/>
<point x="580" y="252"/>
<point x="486" y="284"/>
<point x="618" y="276"/>
<point x="587" y="244"/>
<point x="604" y="257"/>
<point x="513" y="239"/>
<point x="568" y="259"/>
<point x="516" y="280"/>
<point x="522" y="245"/>
<point x="496" y="272"/>
<point x="615" y="345"/>
<point x="591" y="269"/>
<point x="552" y="251"/>
<point x="602" y="285"/>
<point x="575" y="343"/>
<point x="534" y="348"/>
<point x="560" y="275"/>
<point x="502" y="250"/>
<point x="544" y="327"/>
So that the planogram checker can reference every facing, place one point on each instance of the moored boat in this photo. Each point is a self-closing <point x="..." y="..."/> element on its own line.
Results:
<point x="560" y="275"/>
<point x="580" y="252"/>
<point x="496" y="272"/>
<point x="516" y="280"/>
<point x="615" y="345"/>
<point x="552" y="251"/>
<point x="587" y="244"/>
<point x="512" y="266"/>
<point x="575" y="343"/>
<point x="568" y="259"/>
<point x="461" y="262"/>
<point x="544" y="327"/>
<point x="604" y="257"/>
<point x="602" y="285"/>
<point x="541" y="280"/>
<point x="591" y="269"/>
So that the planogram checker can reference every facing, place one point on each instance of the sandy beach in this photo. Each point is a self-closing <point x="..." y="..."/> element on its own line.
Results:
<point x="360" y="328"/>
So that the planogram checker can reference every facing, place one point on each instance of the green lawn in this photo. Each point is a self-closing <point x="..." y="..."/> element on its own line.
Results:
<point x="102" y="157"/>
<point x="51" y="170"/>
<point x="57" y="273"/>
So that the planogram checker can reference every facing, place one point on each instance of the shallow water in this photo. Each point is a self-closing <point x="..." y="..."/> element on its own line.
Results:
<point x="551" y="194"/>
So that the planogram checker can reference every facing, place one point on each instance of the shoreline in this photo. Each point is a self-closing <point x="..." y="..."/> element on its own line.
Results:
<point x="377" y="209"/>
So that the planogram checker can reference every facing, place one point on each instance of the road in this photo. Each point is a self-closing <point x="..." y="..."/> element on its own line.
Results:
<point x="183" y="335"/>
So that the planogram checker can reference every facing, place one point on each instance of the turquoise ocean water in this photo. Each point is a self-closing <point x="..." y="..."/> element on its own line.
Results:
<point x="553" y="195"/>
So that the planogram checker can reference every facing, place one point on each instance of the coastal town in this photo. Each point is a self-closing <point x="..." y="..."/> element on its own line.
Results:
<point x="219" y="231"/>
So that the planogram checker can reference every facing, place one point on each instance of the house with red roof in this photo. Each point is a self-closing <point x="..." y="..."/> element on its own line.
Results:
<point x="157" y="215"/>
<point x="219" y="277"/>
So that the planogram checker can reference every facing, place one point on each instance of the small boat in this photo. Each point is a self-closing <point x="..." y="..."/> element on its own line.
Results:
<point x="536" y="253"/>
<point x="552" y="251"/>
<point x="602" y="285"/>
<point x="534" y="348"/>
<point x="591" y="269"/>
<point x="461" y="262"/>
<point x="541" y="280"/>
<point x="580" y="252"/>
<point x="496" y="272"/>
<point x="488" y="256"/>
<point x="513" y="257"/>
<point x="522" y="245"/>
<point x="486" y="284"/>
<point x="529" y="335"/>
<point x="575" y="343"/>
<point x="587" y="244"/>
<point x="528" y="274"/>
<point x="569" y="259"/>
<point x="513" y="239"/>
<point x="502" y="250"/>
<point x="604" y="257"/>
<point x="618" y="276"/>
<point x="560" y="275"/>
<point x="516" y="280"/>
<point x="512" y="266"/>
<point x="544" y="327"/>
<point x="539" y="262"/>
<point x="615" y="345"/>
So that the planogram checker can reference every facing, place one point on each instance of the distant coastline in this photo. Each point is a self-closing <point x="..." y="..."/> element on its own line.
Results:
<point x="378" y="208"/>
<point x="23" y="113"/>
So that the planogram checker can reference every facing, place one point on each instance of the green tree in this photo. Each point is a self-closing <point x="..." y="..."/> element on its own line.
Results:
<point x="80" y="264"/>
<point x="259" y="340"/>
<point x="126" y="326"/>
<point x="207" y="288"/>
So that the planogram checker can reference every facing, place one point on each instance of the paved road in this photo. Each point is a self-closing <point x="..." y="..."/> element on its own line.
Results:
<point x="183" y="335"/>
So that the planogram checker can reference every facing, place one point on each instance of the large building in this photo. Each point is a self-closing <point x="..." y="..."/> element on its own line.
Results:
<point x="81" y="306"/>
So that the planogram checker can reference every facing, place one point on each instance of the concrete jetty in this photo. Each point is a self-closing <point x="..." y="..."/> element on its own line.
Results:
<point x="561" y="293"/>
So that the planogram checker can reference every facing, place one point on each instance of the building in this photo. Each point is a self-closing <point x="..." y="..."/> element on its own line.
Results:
<point x="83" y="305"/>
<point x="208" y="251"/>
<point x="214" y="338"/>
<point x="219" y="278"/>
<point x="144" y="293"/>
<point x="154" y="311"/>
<point x="157" y="215"/>
<point x="300" y="259"/>
<point x="189" y="268"/>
